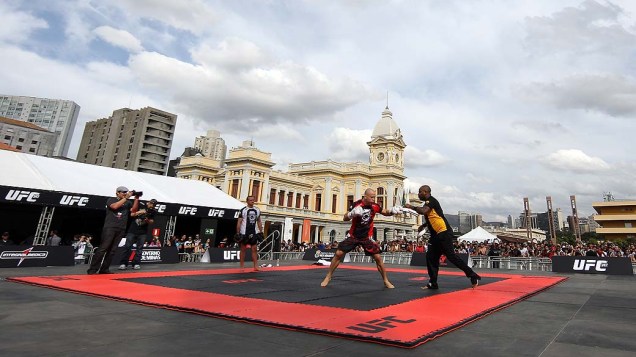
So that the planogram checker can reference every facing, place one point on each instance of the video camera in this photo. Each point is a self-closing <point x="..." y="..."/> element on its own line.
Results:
<point x="137" y="193"/>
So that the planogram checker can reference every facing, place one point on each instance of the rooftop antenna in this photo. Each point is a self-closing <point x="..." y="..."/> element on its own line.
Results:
<point x="387" y="99"/>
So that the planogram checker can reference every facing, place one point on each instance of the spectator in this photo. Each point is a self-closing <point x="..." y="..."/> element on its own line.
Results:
<point x="53" y="239"/>
<point x="6" y="240"/>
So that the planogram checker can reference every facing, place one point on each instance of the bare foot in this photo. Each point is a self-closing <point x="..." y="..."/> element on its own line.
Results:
<point x="388" y="285"/>
<point x="325" y="282"/>
<point x="257" y="269"/>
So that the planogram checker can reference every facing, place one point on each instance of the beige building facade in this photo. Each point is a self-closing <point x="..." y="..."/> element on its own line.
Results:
<point x="309" y="200"/>
<point x="135" y="140"/>
<point x="616" y="219"/>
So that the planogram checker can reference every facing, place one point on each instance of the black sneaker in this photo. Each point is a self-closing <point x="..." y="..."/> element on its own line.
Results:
<point x="474" y="280"/>
<point x="432" y="286"/>
<point x="91" y="272"/>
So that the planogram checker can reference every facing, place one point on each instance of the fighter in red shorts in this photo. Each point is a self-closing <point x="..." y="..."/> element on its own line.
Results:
<point x="361" y="233"/>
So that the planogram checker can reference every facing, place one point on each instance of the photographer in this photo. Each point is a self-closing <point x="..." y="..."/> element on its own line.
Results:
<point x="118" y="209"/>
<point x="137" y="233"/>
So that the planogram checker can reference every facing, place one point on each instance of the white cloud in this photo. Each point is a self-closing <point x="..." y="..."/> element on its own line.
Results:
<point x="17" y="25"/>
<point x="119" y="38"/>
<point x="415" y="158"/>
<point x="195" y="16"/>
<point x="283" y="92"/>
<point x="349" y="145"/>
<point x="575" y="160"/>
<point x="607" y="93"/>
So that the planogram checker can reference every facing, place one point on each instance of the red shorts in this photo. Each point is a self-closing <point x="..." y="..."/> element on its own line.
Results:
<point x="370" y="247"/>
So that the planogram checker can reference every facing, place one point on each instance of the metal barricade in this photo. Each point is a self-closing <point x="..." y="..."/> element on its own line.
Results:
<point x="479" y="261"/>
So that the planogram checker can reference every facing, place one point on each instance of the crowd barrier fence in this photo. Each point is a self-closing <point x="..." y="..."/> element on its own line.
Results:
<point x="398" y="258"/>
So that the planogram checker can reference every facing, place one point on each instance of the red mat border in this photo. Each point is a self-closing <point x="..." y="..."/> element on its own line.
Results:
<point x="408" y="324"/>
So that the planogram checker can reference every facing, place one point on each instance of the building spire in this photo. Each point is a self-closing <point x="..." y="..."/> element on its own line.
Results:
<point x="387" y="100"/>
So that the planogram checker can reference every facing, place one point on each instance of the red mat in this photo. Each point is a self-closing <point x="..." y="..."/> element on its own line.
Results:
<point x="408" y="324"/>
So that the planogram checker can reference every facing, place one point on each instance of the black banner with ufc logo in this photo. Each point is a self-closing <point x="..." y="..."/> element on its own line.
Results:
<point x="592" y="265"/>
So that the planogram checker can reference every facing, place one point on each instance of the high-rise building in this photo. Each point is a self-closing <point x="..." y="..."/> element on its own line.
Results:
<point x="26" y="137"/>
<point x="136" y="140"/>
<point x="211" y="145"/>
<point x="512" y="223"/>
<point x="55" y="115"/>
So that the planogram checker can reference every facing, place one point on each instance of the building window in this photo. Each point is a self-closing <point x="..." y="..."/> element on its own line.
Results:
<point x="318" y="202"/>
<point x="290" y="198"/>
<point x="235" y="188"/>
<point x="306" y="202"/>
<point x="256" y="190"/>
<point x="349" y="202"/>
<point x="380" y="197"/>
<point x="334" y="203"/>
<point x="281" y="198"/>
<point x="298" y="200"/>
<point x="272" y="196"/>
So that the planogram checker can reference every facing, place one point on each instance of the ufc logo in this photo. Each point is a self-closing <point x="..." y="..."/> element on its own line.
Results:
<point x="586" y="265"/>
<point x="188" y="210"/>
<point x="17" y="195"/>
<point x="379" y="325"/>
<point x="230" y="254"/>
<point x="216" y="213"/>
<point x="74" y="200"/>
<point x="160" y="208"/>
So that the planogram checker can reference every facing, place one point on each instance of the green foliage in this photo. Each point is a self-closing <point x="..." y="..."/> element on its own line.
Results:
<point x="566" y="237"/>
<point x="590" y="237"/>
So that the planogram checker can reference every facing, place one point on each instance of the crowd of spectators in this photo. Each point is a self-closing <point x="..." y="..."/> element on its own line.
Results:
<point x="548" y="250"/>
<point x="501" y="249"/>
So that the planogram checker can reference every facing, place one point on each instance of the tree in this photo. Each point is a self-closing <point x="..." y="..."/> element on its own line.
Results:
<point x="565" y="236"/>
<point x="590" y="237"/>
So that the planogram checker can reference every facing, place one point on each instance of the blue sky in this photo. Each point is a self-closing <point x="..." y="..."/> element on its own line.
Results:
<point x="496" y="102"/>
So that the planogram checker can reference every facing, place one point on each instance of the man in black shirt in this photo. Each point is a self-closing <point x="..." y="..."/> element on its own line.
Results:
<point x="118" y="209"/>
<point x="137" y="234"/>
<point x="441" y="241"/>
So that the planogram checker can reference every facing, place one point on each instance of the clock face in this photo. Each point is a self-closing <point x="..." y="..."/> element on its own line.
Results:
<point x="380" y="156"/>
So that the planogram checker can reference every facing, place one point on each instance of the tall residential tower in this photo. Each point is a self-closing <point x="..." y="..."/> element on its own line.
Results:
<point x="136" y="140"/>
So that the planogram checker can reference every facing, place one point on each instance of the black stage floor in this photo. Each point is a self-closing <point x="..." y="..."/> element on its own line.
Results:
<point x="586" y="315"/>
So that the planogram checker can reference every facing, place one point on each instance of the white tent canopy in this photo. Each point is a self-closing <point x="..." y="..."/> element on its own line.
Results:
<point x="33" y="172"/>
<point x="477" y="235"/>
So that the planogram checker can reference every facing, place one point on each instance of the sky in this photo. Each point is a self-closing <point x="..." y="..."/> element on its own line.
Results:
<point x="496" y="100"/>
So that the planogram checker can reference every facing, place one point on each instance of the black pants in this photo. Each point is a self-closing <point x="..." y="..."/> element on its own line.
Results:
<point x="442" y="243"/>
<point x="104" y="253"/>
<point x="138" y="240"/>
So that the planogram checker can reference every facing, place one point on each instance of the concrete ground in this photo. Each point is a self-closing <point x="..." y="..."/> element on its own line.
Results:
<point x="587" y="315"/>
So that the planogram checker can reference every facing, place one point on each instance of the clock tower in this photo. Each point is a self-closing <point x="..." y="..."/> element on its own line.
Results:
<point x="387" y="146"/>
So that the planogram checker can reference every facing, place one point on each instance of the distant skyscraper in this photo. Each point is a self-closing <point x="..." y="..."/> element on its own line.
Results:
<point x="55" y="115"/>
<point x="211" y="145"/>
<point x="136" y="140"/>
<point x="511" y="222"/>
